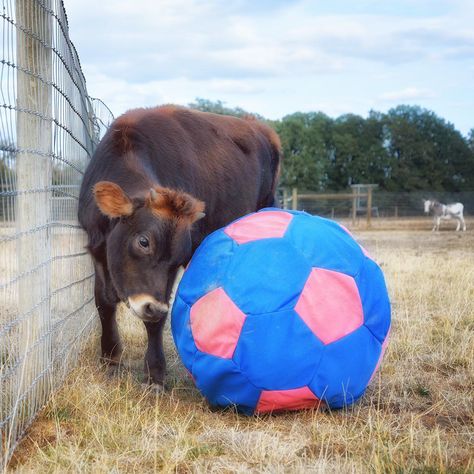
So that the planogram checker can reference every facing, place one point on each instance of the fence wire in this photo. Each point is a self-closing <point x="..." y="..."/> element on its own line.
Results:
<point x="49" y="127"/>
<point x="385" y="204"/>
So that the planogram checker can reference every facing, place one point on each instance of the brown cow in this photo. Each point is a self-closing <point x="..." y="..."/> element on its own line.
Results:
<point x="160" y="180"/>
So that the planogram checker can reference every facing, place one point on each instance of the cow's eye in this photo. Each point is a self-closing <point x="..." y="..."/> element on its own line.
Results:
<point x="143" y="242"/>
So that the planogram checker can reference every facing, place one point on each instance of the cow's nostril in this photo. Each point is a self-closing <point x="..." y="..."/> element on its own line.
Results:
<point x="148" y="309"/>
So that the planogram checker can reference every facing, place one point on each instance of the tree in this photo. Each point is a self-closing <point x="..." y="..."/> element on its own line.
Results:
<point x="470" y="139"/>
<point x="406" y="149"/>
<point x="426" y="152"/>
<point x="356" y="151"/>
<point x="305" y="139"/>
<point x="218" y="107"/>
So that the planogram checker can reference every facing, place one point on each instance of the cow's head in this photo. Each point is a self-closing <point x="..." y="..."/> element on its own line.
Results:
<point x="151" y="238"/>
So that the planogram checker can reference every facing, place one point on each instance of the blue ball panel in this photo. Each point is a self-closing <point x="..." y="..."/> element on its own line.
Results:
<point x="182" y="335"/>
<point x="277" y="351"/>
<point x="207" y="268"/>
<point x="266" y="276"/>
<point x="223" y="384"/>
<point x="325" y="244"/>
<point x="346" y="368"/>
<point x="374" y="297"/>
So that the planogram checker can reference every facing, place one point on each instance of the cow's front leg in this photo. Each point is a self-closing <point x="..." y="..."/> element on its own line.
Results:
<point x="155" y="364"/>
<point x="458" y="226"/>
<point x="106" y="302"/>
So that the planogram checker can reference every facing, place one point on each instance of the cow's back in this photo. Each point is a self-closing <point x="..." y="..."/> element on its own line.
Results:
<point x="229" y="163"/>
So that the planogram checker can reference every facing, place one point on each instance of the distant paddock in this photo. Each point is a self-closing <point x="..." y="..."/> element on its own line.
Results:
<point x="406" y="223"/>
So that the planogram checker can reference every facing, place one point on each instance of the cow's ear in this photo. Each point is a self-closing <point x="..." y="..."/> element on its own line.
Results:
<point x="112" y="200"/>
<point x="165" y="202"/>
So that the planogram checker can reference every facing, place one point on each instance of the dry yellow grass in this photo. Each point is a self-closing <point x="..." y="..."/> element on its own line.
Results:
<point x="417" y="416"/>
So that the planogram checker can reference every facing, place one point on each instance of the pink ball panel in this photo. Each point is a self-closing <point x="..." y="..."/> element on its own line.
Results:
<point x="330" y="305"/>
<point x="295" y="399"/>
<point x="263" y="225"/>
<point x="216" y="323"/>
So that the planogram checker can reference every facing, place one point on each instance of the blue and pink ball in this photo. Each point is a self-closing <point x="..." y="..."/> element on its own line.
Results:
<point x="281" y="310"/>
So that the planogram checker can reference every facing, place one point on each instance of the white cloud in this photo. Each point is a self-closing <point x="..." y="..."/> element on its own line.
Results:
<point x="229" y="86"/>
<point x="145" y="40"/>
<point x="407" y="94"/>
<point x="125" y="96"/>
<point x="277" y="55"/>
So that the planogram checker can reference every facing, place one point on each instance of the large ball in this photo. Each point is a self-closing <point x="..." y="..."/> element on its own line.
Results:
<point x="281" y="310"/>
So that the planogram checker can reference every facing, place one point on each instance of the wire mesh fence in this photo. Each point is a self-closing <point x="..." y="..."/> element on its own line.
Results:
<point x="385" y="206"/>
<point x="48" y="130"/>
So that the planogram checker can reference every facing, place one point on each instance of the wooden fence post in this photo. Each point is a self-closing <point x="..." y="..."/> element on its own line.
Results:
<point x="34" y="171"/>
<point x="285" y="199"/>
<point x="354" y="206"/>
<point x="369" y="207"/>
<point x="294" y="199"/>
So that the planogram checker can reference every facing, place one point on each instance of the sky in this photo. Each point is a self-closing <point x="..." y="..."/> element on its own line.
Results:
<point x="276" y="57"/>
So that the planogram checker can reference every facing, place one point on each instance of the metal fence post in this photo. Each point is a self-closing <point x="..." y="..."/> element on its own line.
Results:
<point x="34" y="171"/>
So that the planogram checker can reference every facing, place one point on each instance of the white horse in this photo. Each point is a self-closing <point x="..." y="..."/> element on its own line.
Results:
<point x="446" y="212"/>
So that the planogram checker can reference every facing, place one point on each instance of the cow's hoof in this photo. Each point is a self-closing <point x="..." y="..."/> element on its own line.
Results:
<point x="156" y="388"/>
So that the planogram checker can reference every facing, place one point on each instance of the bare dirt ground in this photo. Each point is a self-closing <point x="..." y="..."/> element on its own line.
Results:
<point x="417" y="415"/>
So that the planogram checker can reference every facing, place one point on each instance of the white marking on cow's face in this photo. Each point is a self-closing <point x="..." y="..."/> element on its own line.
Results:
<point x="427" y="206"/>
<point x="147" y="308"/>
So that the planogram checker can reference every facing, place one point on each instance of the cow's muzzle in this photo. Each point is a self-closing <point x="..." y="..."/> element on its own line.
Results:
<point x="147" y="308"/>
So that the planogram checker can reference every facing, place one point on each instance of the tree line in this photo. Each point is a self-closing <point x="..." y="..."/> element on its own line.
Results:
<point x="406" y="149"/>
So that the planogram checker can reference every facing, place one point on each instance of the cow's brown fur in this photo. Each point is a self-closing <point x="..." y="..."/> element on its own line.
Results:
<point x="173" y="204"/>
<point x="151" y="179"/>
<point x="111" y="200"/>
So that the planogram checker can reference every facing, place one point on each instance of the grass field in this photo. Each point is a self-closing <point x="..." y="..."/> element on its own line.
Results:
<point x="417" y="415"/>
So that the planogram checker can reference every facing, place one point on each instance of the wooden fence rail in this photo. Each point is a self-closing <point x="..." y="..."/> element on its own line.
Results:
<point x="354" y="196"/>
